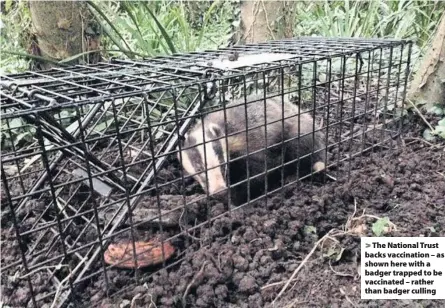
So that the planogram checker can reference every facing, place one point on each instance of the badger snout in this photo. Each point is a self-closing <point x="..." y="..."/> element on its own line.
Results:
<point x="217" y="189"/>
<point x="217" y="183"/>
<point x="220" y="195"/>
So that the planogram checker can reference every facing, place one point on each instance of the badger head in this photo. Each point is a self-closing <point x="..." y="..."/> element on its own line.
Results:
<point x="196" y="158"/>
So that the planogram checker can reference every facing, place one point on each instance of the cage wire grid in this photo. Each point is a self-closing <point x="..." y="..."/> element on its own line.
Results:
<point x="88" y="152"/>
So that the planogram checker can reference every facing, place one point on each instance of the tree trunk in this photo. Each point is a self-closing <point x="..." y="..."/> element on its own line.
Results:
<point x="428" y="85"/>
<point x="62" y="30"/>
<point x="265" y="20"/>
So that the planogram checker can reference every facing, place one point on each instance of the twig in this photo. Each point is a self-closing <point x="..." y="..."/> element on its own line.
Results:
<point x="421" y="115"/>
<point x="187" y="290"/>
<point x="422" y="140"/>
<point x="296" y="303"/>
<point x="309" y="292"/>
<point x="270" y="285"/>
<point x="59" y="289"/>
<point x="29" y="162"/>
<point x="348" y="222"/>
<point x="255" y="11"/>
<point x="331" y="177"/>
<point x="134" y="299"/>
<point x="267" y="20"/>
<point x="338" y="273"/>
<point x="320" y="241"/>
<point x="184" y="228"/>
<point x="212" y="258"/>
<point x="347" y="297"/>
<point x="301" y="265"/>
<point x="151" y="302"/>
<point x="49" y="267"/>
<point x="274" y="284"/>
<point x="33" y="57"/>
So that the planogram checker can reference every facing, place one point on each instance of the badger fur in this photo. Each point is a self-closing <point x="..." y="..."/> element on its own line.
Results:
<point x="214" y="155"/>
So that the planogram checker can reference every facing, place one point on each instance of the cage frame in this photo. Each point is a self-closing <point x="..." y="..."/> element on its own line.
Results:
<point x="207" y="76"/>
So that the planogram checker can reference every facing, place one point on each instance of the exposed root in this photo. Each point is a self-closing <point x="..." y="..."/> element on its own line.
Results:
<point x="348" y="229"/>
<point x="297" y="270"/>
<point x="420" y="115"/>
<point x="347" y="298"/>
<point x="190" y="285"/>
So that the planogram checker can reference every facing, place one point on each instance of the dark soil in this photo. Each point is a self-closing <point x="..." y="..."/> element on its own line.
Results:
<point x="243" y="260"/>
<point x="247" y="267"/>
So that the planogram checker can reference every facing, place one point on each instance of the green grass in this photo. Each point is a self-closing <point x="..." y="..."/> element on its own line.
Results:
<point x="14" y="18"/>
<point x="394" y="19"/>
<point x="406" y="19"/>
<point x="149" y="28"/>
<point x="162" y="27"/>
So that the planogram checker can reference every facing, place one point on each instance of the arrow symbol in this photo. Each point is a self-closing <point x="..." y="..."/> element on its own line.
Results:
<point x="367" y="245"/>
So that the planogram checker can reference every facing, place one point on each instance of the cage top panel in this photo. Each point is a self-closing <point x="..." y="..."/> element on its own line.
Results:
<point x="118" y="78"/>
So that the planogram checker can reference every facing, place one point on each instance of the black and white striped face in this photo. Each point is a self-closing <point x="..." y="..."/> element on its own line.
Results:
<point x="197" y="159"/>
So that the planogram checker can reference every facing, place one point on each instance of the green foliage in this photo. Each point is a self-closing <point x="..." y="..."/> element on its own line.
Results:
<point x="14" y="133"/>
<point x="150" y="28"/>
<point x="438" y="131"/>
<point x="380" y="226"/>
<point x="393" y="19"/>
<point x="15" y="18"/>
<point x="437" y="109"/>
<point x="161" y="27"/>
<point x="334" y="253"/>
<point x="407" y="19"/>
<point x="310" y="230"/>
<point x="129" y="28"/>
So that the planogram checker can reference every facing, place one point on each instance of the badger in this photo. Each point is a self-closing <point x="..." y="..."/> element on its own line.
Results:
<point x="219" y="144"/>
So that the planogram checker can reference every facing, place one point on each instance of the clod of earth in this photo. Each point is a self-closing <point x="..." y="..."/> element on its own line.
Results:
<point x="147" y="254"/>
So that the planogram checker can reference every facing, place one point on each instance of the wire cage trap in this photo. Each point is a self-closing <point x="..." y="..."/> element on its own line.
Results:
<point x="90" y="153"/>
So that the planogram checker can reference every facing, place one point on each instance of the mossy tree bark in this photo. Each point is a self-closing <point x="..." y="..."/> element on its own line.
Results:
<point x="428" y="85"/>
<point x="64" y="29"/>
<point x="265" y="20"/>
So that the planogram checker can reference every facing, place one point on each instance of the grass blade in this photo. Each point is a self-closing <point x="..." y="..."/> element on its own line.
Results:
<point x="161" y="28"/>
<point x="102" y="14"/>
<point x="206" y="20"/>
<point x="127" y="8"/>
<point x="128" y="53"/>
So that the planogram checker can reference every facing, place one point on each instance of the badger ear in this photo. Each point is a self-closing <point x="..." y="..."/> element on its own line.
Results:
<point x="215" y="130"/>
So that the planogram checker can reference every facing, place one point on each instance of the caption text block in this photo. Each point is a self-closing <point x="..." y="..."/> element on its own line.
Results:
<point x="403" y="267"/>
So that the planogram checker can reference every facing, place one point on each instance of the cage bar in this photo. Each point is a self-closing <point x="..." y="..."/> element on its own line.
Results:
<point x="90" y="153"/>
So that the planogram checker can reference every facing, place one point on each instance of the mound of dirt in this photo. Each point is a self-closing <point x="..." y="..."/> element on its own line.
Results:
<point x="244" y="260"/>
